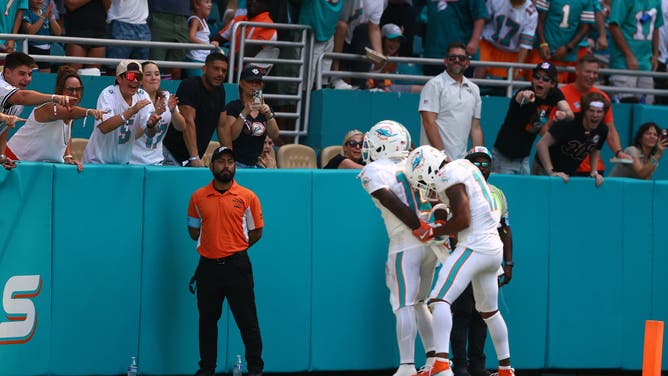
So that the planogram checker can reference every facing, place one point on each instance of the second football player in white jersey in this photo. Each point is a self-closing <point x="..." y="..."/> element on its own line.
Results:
<point x="479" y="251"/>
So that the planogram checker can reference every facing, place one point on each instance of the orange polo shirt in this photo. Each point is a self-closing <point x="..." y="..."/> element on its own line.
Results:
<point x="252" y="32"/>
<point x="224" y="219"/>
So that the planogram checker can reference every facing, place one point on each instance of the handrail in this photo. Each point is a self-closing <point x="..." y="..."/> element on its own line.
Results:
<point x="509" y="83"/>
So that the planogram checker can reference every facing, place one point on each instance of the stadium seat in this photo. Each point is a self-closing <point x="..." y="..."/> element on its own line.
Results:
<point x="328" y="153"/>
<point x="206" y="158"/>
<point x="78" y="147"/>
<point x="296" y="156"/>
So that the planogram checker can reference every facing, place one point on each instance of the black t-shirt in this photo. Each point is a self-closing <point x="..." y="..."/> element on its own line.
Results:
<point x="250" y="143"/>
<point x="208" y="106"/>
<point x="87" y="21"/>
<point x="522" y="124"/>
<point x="573" y="144"/>
<point x="336" y="161"/>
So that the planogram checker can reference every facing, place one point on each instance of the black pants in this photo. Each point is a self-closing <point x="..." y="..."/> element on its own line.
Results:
<point x="467" y="324"/>
<point x="230" y="278"/>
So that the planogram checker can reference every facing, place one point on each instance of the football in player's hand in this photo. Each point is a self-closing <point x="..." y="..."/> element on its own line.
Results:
<point x="440" y="212"/>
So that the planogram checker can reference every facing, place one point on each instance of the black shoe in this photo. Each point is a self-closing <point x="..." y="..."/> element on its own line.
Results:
<point x="479" y="372"/>
<point x="205" y="372"/>
<point x="461" y="372"/>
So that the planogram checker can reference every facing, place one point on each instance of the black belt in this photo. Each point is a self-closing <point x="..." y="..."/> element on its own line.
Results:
<point x="222" y="260"/>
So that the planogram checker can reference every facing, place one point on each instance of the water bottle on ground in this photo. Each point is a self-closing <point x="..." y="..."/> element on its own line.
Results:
<point x="237" y="369"/>
<point x="132" y="368"/>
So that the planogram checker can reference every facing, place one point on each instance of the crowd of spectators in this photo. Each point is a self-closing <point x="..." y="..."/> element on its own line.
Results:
<point x="552" y="32"/>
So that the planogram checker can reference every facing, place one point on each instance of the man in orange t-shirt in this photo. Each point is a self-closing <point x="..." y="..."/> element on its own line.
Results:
<point x="586" y="75"/>
<point x="225" y="219"/>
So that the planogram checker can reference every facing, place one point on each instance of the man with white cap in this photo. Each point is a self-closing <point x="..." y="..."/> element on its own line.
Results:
<point x="127" y="111"/>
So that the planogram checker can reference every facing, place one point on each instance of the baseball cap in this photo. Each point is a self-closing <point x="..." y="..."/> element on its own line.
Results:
<point x="251" y="74"/>
<point x="391" y="31"/>
<point x="548" y="68"/>
<point x="128" y="66"/>
<point x="477" y="151"/>
<point x="218" y="152"/>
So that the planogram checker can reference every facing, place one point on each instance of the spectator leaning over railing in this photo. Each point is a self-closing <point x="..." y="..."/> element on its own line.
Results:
<point x="127" y="114"/>
<point x="11" y="13"/>
<point x="527" y="115"/>
<point x="147" y="148"/>
<point x="202" y="104"/>
<point x="634" y="30"/>
<point x="86" y="19"/>
<point x="586" y="75"/>
<point x="167" y="20"/>
<point x="648" y="147"/>
<point x="16" y="76"/>
<point x="565" y="145"/>
<point x="46" y="135"/>
<point x="36" y="21"/>
<point x="351" y="152"/>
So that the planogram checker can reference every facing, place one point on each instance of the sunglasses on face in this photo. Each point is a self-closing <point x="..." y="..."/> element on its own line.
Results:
<point x="461" y="58"/>
<point x="538" y="77"/>
<point x="354" y="144"/>
<point x="74" y="90"/>
<point x="481" y="164"/>
<point x="131" y="76"/>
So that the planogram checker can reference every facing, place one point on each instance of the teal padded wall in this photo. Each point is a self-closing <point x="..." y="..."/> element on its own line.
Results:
<point x="111" y="246"/>
<point x="97" y="219"/>
<point x="26" y="226"/>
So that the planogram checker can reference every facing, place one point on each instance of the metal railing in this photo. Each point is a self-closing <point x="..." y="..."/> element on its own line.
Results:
<point x="508" y="83"/>
<point x="302" y="93"/>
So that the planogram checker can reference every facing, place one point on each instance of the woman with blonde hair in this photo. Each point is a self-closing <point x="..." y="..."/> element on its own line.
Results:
<point x="351" y="152"/>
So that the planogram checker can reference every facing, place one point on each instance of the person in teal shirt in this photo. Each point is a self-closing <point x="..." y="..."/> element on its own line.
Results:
<point x="449" y="22"/>
<point x="10" y="21"/>
<point x="634" y="30"/>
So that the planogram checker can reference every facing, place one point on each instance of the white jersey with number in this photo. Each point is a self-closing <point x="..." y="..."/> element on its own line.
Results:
<point x="388" y="173"/>
<point x="148" y="150"/>
<point x="6" y="91"/>
<point x="481" y="235"/>
<point x="510" y="28"/>
<point x="115" y="147"/>
<point x="41" y="141"/>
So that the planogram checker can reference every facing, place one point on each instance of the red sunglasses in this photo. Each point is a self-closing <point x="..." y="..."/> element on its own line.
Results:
<point x="131" y="76"/>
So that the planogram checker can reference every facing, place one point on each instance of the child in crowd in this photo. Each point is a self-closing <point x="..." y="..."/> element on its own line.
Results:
<point x="198" y="32"/>
<point x="40" y="20"/>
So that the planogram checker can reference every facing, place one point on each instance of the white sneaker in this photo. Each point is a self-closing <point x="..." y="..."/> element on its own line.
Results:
<point x="406" y="370"/>
<point x="339" y="84"/>
<point x="438" y="368"/>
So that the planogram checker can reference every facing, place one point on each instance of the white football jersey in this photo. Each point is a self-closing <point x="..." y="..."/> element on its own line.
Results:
<point x="388" y="173"/>
<point x="41" y="142"/>
<point x="510" y="28"/>
<point x="115" y="147"/>
<point x="148" y="150"/>
<point x="6" y="91"/>
<point x="481" y="235"/>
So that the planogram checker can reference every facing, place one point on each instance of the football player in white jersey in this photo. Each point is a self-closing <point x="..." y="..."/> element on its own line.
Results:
<point x="129" y="109"/>
<point x="16" y="76"/>
<point x="410" y="265"/>
<point x="474" y="218"/>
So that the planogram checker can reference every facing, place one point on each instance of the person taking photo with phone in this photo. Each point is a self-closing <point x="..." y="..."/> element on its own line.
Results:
<point x="250" y="120"/>
<point x="649" y="143"/>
